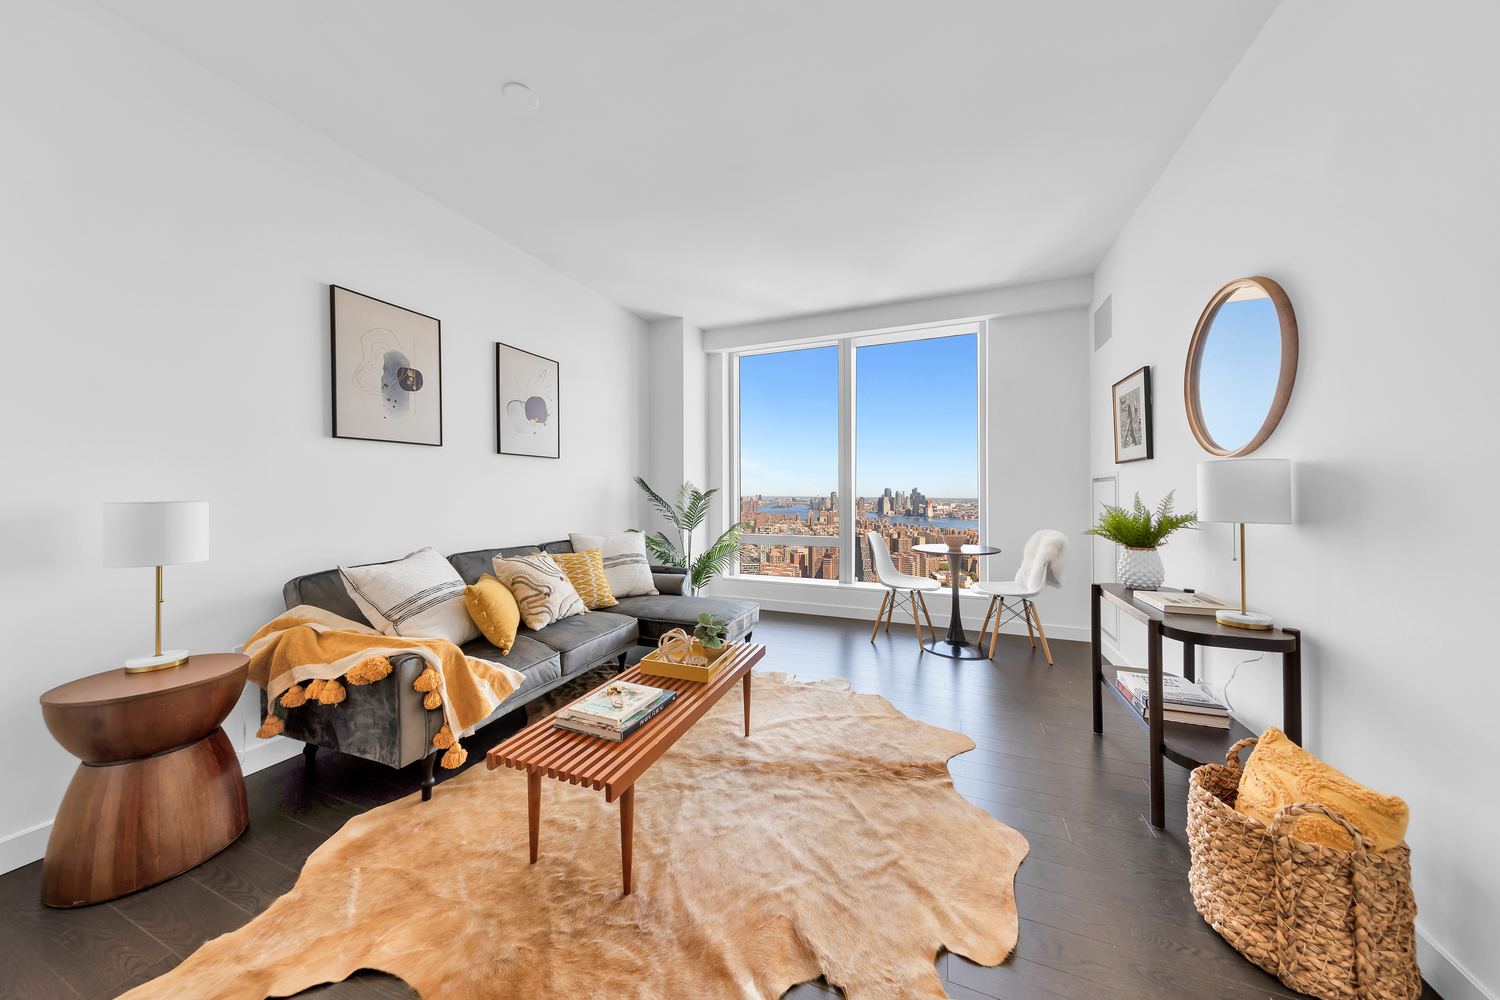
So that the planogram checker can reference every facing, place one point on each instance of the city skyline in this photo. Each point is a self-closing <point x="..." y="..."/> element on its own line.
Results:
<point x="911" y="427"/>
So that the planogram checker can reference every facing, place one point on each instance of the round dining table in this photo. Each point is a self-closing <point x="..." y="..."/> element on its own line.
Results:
<point x="955" y="644"/>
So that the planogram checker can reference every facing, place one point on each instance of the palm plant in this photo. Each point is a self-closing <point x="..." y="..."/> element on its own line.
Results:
<point x="686" y="516"/>
<point x="1136" y="528"/>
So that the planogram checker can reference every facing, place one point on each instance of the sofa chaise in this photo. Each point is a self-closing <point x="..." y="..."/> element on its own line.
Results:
<point x="387" y="722"/>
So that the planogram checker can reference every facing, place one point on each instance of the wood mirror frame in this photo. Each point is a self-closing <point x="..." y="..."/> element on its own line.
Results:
<point x="1287" y="376"/>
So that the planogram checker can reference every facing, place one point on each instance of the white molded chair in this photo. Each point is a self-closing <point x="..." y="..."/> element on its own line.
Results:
<point x="1042" y="565"/>
<point x="895" y="583"/>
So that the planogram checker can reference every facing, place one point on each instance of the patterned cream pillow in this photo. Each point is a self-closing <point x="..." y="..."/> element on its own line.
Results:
<point x="541" y="589"/>
<point x="585" y="571"/>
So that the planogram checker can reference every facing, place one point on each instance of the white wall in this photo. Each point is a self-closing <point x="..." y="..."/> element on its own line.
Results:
<point x="1351" y="157"/>
<point x="164" y="259"/>
<point x="1037" y="453"/>
<point x="678" y="427"/>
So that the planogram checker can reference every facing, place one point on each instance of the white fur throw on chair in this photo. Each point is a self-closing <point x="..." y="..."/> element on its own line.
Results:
<point x="1044" y="560"/>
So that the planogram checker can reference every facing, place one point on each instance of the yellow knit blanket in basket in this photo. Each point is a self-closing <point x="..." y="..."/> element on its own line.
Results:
<point x="309" y="654"/>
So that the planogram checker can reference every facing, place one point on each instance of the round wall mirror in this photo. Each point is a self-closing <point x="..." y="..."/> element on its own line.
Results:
<point x="1241" y="365"/>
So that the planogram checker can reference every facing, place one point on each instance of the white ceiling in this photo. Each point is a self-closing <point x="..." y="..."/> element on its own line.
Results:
<point x="732" y="162"/>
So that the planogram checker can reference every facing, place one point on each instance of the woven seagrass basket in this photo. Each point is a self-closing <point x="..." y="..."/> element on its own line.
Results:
<point x="1331" y="923"/>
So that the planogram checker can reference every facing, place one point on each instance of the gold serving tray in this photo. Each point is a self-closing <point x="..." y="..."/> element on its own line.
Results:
<point x="654" y="664"/>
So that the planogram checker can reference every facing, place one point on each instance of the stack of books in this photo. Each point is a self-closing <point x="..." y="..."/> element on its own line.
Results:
<point x="1190" y="604"/>
<point x="614" y="711"/>
<point x="1181" y="699"/>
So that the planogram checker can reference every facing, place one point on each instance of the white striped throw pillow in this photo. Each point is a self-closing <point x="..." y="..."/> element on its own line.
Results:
<point x="625" y="564"/>
<point x="420" y="595"/>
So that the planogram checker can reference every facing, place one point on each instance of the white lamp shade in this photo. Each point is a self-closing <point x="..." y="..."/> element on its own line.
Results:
<point x="1246" y="491"/>
<point x="155" y="534"/>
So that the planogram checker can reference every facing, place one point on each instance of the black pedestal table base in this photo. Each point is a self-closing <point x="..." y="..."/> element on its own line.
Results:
<point x="945" y="647"/>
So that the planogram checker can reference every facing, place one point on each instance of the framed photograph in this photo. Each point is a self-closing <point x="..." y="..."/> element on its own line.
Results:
<point x="387" y="371"/>
<point x="526" y="403"/>
<point x="1132" y="409"/>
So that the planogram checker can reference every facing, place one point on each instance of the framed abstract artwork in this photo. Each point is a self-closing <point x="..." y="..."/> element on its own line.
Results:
<point x="387" y="371"/>
<point x="1132" y="409"/>
<point x="526" y="403"/>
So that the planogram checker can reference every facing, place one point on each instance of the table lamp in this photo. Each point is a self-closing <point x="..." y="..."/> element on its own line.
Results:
<point x="1245" y="491"/>
<point x="155" y="534"/>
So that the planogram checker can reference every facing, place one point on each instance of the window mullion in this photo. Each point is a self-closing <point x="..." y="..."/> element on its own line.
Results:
<point x="848" y="551"/>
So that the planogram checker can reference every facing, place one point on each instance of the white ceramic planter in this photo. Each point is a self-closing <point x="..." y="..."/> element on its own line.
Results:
<point x="1140" y="569"/>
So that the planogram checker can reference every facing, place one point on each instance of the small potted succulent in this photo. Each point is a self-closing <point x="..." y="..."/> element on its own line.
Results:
<point x="1139" y="534"/>
<point x="708" y="636"/>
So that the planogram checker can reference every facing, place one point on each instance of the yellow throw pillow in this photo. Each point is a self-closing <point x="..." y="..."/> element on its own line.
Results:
<point x="494" y="610"/>
<point x="586" y="572"/>
<point x="1280" y="772"/>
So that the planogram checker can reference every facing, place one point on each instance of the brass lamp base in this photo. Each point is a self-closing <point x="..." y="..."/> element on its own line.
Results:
<point x="1244" y="619"/>
<point x="146" y="664"/>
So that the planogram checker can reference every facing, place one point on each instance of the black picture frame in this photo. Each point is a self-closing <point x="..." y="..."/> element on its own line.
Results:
<point x="1130" y="415"/>
<point x="528" y="411"/>
<point x="380" y="406"/>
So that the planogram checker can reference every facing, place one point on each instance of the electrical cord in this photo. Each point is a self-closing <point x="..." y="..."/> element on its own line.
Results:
<point x="1224" y="691"/>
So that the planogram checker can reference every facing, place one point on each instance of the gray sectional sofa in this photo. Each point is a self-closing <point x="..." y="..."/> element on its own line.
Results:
<point x="386" y="722"/>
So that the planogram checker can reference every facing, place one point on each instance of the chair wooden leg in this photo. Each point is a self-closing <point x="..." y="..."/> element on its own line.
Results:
<point x="890" y="611"/>
<point x="879" y="615"/>
<point x="930" y="630"/>
<point x="984" y="626"/>
<point x="1026" y="607"/>
<point x="915" y="621"/>
<point x="1038" y="619"/>
<point x="995" y="630"/>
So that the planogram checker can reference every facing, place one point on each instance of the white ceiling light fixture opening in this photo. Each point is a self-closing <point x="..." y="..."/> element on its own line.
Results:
<point x="521" y="96"/>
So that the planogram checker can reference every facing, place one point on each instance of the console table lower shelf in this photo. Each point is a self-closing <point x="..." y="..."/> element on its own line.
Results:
<point x="544" y="750"/>
<point x="1183" y="744"/>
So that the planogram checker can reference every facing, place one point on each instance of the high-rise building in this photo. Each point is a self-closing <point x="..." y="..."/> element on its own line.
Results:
<point x="887" y="492"/>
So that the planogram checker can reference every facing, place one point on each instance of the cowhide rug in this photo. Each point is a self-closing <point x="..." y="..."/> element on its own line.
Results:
<point x="830" y="842"/>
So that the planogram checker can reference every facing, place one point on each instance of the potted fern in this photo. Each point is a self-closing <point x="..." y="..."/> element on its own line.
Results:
<point x="1139" y="534"/>
<point x="686" y="515"/>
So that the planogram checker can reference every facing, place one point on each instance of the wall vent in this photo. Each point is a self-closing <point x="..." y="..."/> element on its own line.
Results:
<point x="1103" y="328"/>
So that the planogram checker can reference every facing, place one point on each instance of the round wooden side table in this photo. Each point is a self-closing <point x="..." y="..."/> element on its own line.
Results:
<point x="159" y="789"/>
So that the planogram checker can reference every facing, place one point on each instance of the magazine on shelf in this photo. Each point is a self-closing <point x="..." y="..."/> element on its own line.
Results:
<point x="599" y="708"/>
<point x="622" y="731"/>
<point x="1190" y="604"/>
<point x="1138" y="702"/>
<point x="1177" y="693"/>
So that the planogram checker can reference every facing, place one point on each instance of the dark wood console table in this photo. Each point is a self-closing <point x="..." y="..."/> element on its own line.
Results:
<point x="1187" y="745"/>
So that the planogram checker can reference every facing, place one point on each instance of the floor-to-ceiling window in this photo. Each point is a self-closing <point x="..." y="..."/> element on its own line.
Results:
<point x="789" y="463"/>
<point x="916" y="405"/>
<point x="894" y="418"/>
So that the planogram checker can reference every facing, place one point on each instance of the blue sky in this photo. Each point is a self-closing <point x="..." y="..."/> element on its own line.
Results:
<point x="913" y="427"/>
<point x="1241" y="365"/>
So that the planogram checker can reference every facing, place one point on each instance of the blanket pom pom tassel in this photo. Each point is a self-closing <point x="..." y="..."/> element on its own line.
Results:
<point x="332" y="693"/>
<point x="444" y="739"/>
<point x="294" y="697"/>
<point x="428" y="681"/>
<point x="271" y="727"/>
<point x="432" y="700"/>
<point x="368" y="671"/>
<point x="314" y="690"/>
<point x="455" y="756"/>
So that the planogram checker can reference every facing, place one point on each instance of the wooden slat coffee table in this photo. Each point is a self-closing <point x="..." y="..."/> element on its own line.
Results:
<point x="543" y="749"/>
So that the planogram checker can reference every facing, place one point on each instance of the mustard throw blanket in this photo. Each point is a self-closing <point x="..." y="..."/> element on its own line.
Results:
<point x="309" y="654"/>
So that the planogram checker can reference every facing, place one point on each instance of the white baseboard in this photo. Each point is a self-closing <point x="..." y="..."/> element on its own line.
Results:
<point x="24" y="847"/>
<point x="27" y="846"/>
<point x="862" y="601"/>
<point x="1451" y="980"/>
<point x="264" y="753"/>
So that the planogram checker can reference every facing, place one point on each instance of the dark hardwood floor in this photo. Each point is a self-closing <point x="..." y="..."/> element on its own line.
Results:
<point x="1103" y="897"/>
